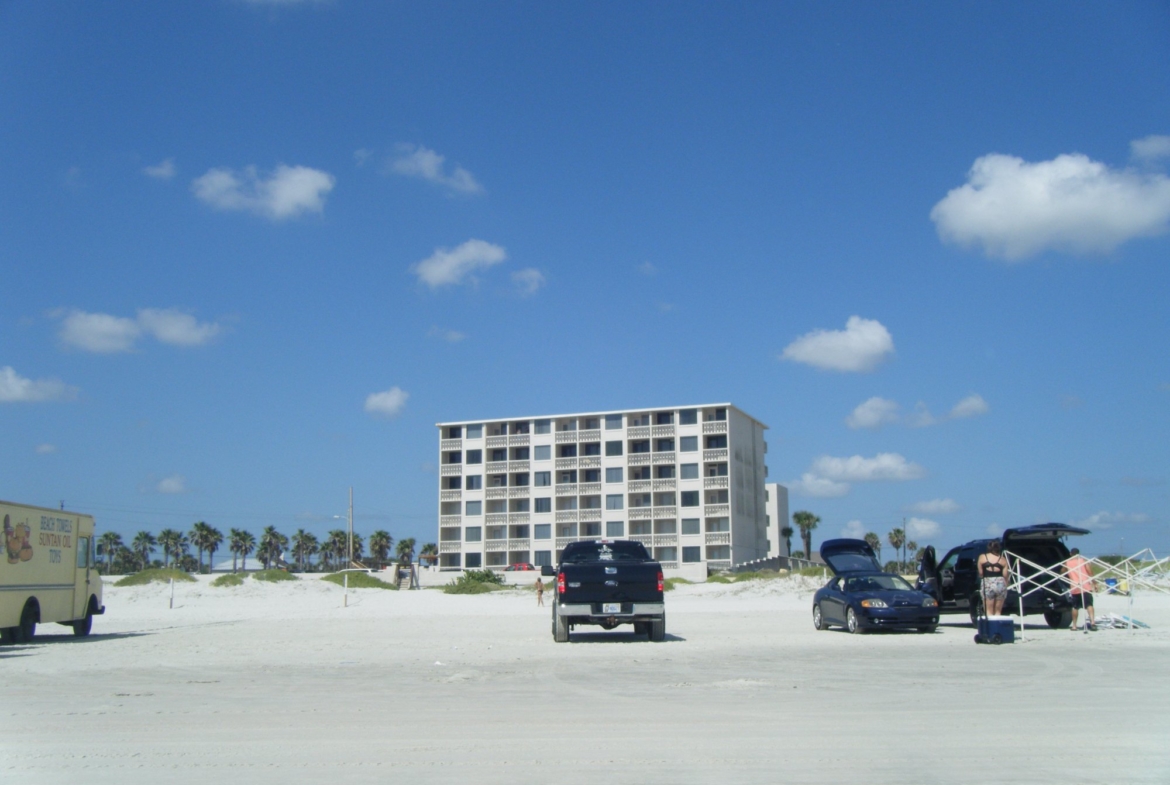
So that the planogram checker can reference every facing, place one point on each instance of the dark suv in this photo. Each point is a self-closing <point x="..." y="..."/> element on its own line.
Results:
<point x="956" y="583"/>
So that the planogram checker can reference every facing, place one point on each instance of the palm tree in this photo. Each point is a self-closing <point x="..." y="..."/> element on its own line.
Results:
<point x="380" y="543"/>
<point x="144" y="543"/>
<point x="110" y="542"/>
<point x="429" y="553"/>
<point x="358" y="546"/>
<point x="169" y="540"/>
<point x="304" y="545"/>
<point x="405" y="550"/>
<point x="198" y="537"/>
<point x="214" y="538"/>
<point x="247" y="545"/>
<point x="335" y="547"/>
<point x="911" y="547"/>
<point x="874" y="541"/>
<point x="787" y="533"/>
<point x="272" y="544"/>
<point x="806" y="522"/>
<point x="897" y="538"/>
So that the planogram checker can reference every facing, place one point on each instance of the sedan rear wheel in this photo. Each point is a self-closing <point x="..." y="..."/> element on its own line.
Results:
<point x="852" y="623"/>
<point x="818" y="618"/>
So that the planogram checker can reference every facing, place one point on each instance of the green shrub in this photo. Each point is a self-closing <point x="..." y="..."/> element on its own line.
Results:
<point x="483" y="576"/>
<point x="229" y="579"/>
<point x="359" y="580"/>
<point x="670" y="583"/>
<point x="160" y="575"/>
<point x="719" y="579"/>
<point x="812" y="572"/>
<point x="273" y="575"/>
<point x="475" y="582"/>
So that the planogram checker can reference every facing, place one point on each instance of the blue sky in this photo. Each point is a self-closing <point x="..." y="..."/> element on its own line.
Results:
<point x="252" y="251"/>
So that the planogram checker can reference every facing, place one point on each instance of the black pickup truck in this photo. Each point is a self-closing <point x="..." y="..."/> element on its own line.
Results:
<point x="607" y="583"/>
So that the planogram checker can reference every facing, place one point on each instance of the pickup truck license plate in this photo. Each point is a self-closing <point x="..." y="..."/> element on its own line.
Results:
<point x="611" y="607"/>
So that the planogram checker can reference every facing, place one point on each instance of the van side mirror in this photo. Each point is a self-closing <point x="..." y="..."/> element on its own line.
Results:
<point x="548" y="571"/>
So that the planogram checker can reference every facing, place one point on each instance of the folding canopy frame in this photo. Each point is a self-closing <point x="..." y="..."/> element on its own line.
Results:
<point x="1142" y="570"/>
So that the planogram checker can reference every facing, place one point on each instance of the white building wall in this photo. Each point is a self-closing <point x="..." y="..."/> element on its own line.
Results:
<point x="776" y="508"/>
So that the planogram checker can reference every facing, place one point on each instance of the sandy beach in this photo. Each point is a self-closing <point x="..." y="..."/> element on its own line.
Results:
<point x="280" y="683"/>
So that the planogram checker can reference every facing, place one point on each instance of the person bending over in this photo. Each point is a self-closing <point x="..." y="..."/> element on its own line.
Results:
<point x="993" y="570"/>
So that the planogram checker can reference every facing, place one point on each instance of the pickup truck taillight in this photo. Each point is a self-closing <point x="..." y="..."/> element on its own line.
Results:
<point x="560" y="583"/>
<point x="660" y="580"/>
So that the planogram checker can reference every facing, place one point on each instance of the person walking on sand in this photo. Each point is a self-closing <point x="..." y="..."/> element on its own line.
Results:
<point x="539" y="592"/>
<point x="1081" y="584"/>
<point x="993" y="569"/>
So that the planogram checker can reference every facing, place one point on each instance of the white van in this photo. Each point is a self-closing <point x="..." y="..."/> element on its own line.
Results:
<point x="47" y="572"/>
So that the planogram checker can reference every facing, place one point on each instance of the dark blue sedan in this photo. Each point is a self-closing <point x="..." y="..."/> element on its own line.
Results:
<point x="861" y="597"/>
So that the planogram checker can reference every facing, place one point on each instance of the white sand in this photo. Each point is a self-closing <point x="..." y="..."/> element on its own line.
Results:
<point x="280" y="683"/>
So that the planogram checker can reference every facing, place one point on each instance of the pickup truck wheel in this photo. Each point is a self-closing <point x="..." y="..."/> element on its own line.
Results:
<point x="658" y="629"/>
<point x="641" y="628"/>
<point x="818" y="618"/>
<point x="560" y="628"/>
<point x="1058" y="620"/>
<point x="28" y="624"/>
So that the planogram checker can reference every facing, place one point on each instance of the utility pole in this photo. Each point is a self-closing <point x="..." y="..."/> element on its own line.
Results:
<point x="350" y="528"/>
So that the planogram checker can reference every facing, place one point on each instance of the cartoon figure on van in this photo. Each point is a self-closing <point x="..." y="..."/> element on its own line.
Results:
<point x="16" y="541"/>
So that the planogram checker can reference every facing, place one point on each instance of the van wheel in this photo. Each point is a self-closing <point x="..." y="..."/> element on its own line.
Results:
<point x="81" y="627"/>
<point x="1058" y="620"/>
<point x="560" y="628"/>
<point x="28" y="624"/>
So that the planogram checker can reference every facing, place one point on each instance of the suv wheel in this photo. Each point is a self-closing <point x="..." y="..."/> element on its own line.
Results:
<point x="1058" y="619"/>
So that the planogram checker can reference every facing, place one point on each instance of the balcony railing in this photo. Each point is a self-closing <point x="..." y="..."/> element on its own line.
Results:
<point x="519" y="440"/>
<point x="449" y="520"/>
<point x="715" y="427"/>
<point x="566" y="463"/>
<point x="496" y="441"/>
<point x="496" y="493"/>
<point x="665" y="539"/>
<point x="715" y="455"/>
<point x="663" y="485"/>
<point x="638" y="432"/>
<point x="449" y="547"/>
<point x="563" y="541"/>
<point x="496" y="517"/>
<point x="714" y="482"/>
<point x="450" y="444"/>
<point x="497" y="467"/>
<point x="567" y="489"/>
<point x="590" y="487"/>
<point x="668" y="565"/>
<point x="720" y="564"/>
<point x="566" y="437"/>
<point x="593" y="514"/>
<point x="665" y="512"/>
<point x="450" y="469"/>
<point x="519" y="490"/>
<point x="450" y="496"/>
<point x="718" y="538"/>
<point x="517" y="517"/>
<point x="662" y="430"/>
<point x="589" y="462"/>
<point x="517" y="466"/>
<point x="639" y="513"/>
<point x="519" y="545"/>
<point x="645" y="539"/>
<point x="588" y="436"/>
<point x="639" y="485"/>
<point x="496" y="545"/>
<point x="663" y="457"/>
<point x="564" y="516"/>
<point x="638" y="459"/>
<point x="716" y="509"/>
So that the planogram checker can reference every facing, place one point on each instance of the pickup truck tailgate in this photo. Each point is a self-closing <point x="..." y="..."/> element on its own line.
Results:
<point x="618" y="582"/>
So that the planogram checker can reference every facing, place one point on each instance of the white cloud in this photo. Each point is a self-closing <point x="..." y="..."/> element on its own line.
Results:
<point x="934" y="507"/>
<point x="15" y="388"/>
<point x="810" y="484"/>
<point x="921" y="528"/>
<point x="450" y="336"/>
<point x="388" y="403"/>
<point x="176" y="327"/>
<point x="873" y="413"/>
<point x="1107" y="520"/>
<point x="886" y="466"/>
<point x="1014" y="209"/>
<point x="1152" y="148"/>
<point x="971" y="406"/>
<point x="426" y="164"/>
<point x="164" y="170"/>
<point x="286" y="193"/>
<point x="174" y="484"/>
<point x="529" y="280"/>
<point x="361" y="156"/>
<point x="854" y="530"/>
<point x="922" y="418"/>
<point x="647" y="268"/>
<point x="861" y="346"/>
<point x="103" y="333"/>
<point x="46" y="449"/>
<point x="452" y="266"/>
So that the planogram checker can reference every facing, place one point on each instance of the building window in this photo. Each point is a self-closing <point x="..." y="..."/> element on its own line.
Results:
<point x="613" y="448"/>
<point x="690" y="498"/>
<point x="637" y="420"/>
<point x="692" y="553"/>
<point x="453" y="483"/>
<point x="664" y="418"/>
<point x="520" y="427"/>
<point x="473" y="534"/>
<point x="474" y="482"/>
<point x="542" y="452"/>
<point x="664" y="445"/>
<point x="497" y="505"/>
<point x="717" y="442"/>
<point x="639" y="527"/>
<point x="542" y="531"/>
<point x="717" y="470"/>
<point x="474" y="508"/>
<point x="664" y="472"/>
<point x="668" y="553"/>
<point x="497" y="481"/>
<point x="474" y="561"/>
<point x="613" y="501"/>
<point x="591" y="529"/>
<point x="640" y="446"/>
<point x="718" y="525"/>
<point x="689" y="471"/>
<point x="639" y="472"/>
<point x="690" y="526"/>
<point x="590" y="424"/>
<point x="718" y="552"/>
<point x="613" y="474"/>
<point x="567" y="477"/>
<point x="543" y="504"/>
<point x="449" y="534"/>
<point x="475" y="456"/>
<point x="716" y="497"/>
<point x="541" y="479"/>
<point x="615" y="528"/>
<point x="497" y="559"/>
<point x="542" y="559"/>
<point x="454" y="432"/>
<point x="520" y="480"/>
<point x="567" y="425"/>
<point x="665" y="499"/>
<point x="475" y="431"/>
<point x="591" y="448"/>
<point x="566" y="502"/>
<point x="639" y="500"/>
<point x="448" y="508"/>
<point x="688" y="417"/>
<point x="518" y="505"/>
<point x="497" y="532"/>
<point x="688" y="443"/>
<point x="454" y="457"/>
<point x="542" y="426"/>
<point x="591" y="475"/>
<point x="613" y="422"/>
<point x="664" y="526"/>
<point x="519" y="453"/>
<point x="567" y="451"/>
<point x="500" y="454"/>
<point x="590" y="502"/>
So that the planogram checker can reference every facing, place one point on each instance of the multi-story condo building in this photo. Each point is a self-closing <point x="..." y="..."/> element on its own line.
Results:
<point x="776" y="510"/>
<point x="688" y="481"/>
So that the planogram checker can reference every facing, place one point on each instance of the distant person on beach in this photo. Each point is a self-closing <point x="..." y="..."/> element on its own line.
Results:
<point x="993" y="569"/>
<point x="1080" y="583"/>
<point x="539" y="592"/>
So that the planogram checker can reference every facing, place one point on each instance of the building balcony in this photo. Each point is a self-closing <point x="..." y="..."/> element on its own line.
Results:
<point x="496" y="493"/>
<point x="563" y="541"/>
<point x="588" y="436"/>
<point x="450" y="496"/>
<point x="566" y="463"/>
<point x="719" y="426"/>
<point x="639" y="513"/>
<point x="638" y="459"/>
<point x="566" y="437"/>
<point x="567" y="489"/>
<point x="714" y="455"/>
<point x="645" y="539"/>
<point x="665" y="539"/>
<point x="496" y="517"/>
<point x="716" y="510"/>
<point x="593" y="514"/>
<point x="496" y="545"/>
<point x="637" y="486"/>
<point x="665" y="512"/>
<point x="663" y="457"/>
<point x="450" y="469"/>
<point x="566" y="516"/>
<point x="446" y="445"/>
<point x="662" y="430"/>
<point x="721" y="564"/>
<point x="589" y="462"/>
<point x="590" y="487"/>
<point x="520" y="490"/>
<point x="718" y="538"/>
<point x="450" y="520"/>
<point x="496" y="467"/>
<point x="663" y="485"/>
<point x="715" y="482"/>
<point x="449" y="547"/>
<point x="518" y="466"/>
<point x="519" y="440"/>
<point x="668" y="565"/>
<point x="496" y="441"/>
<point x="519" y="545"/>
<point x="638" y="432"/>
<point x="517" y="517"/>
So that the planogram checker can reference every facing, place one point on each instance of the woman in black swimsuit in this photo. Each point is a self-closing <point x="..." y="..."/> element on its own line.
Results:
<point x="993" y="569"/>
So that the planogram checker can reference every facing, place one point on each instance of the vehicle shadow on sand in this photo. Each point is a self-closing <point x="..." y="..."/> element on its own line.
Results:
<point x="66" y="639"/>
<point x="618" y="637"/>
<point x="967" y="625"/>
